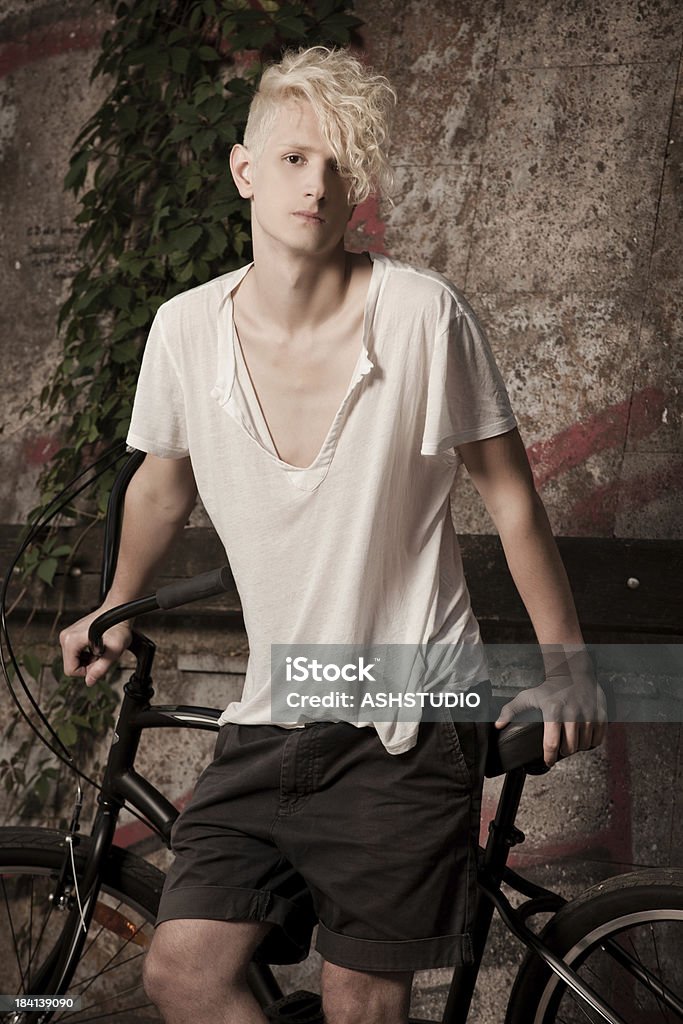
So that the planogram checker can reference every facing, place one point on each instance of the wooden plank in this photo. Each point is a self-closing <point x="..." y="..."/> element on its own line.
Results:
<point x="598" y="569"/>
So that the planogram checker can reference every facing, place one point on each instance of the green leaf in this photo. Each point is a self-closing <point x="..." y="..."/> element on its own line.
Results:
<point x="323" y="8"/>
<point x="32" y="664"/>
<point x="42" y="788"/>
<point x="68" y="733"/>
<point x="127" y="116"/>
<point x="47" y="570"/>
<point x="207" y="53"/>
<point x="133" y="262"/>
<point x="61" y="551"/>
<point x="292" y="26"/>
<point x="81" y="720"/>
<point x="77" y="168"/>
<point x="126" y="352"/>
<point x="180" y="132"/>
<point x="120" y="296"/>
<point x="179" y="57"/>
<point x="205" y="90"/>
<point x="184" y="238"/>
<point x="203" y="139"/>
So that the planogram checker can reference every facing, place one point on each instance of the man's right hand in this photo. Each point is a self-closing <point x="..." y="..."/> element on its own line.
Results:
<point x="77" y="656"/>
<point x="159" y="499"/>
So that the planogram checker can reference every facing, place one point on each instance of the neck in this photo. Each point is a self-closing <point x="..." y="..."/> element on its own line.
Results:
<point x="299" y="292"/>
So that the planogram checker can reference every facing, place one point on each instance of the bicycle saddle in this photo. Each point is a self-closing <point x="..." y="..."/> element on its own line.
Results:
<point x="520" y="744"/>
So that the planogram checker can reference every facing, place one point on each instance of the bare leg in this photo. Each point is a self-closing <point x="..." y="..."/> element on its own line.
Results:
<point x="359" y="997"/>
<point x="197" y="970"/>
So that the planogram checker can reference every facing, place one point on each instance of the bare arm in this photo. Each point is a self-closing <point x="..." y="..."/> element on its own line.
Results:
<point x="158" y="501"/>
<point x="500" y="471"/>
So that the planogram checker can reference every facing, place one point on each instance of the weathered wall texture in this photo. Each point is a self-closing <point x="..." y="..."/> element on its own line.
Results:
<point x="46" y="53"/>
<point x="537" y="150"/>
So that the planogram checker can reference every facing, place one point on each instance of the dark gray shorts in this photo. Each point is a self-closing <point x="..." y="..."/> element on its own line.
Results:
<point x="321" y="824"/>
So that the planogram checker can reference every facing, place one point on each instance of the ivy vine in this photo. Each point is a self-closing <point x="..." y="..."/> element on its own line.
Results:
<point x="160" y="214"/>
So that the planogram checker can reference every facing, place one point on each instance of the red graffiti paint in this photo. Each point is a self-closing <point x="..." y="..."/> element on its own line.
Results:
<point x="611" y="843"/>
<point x="64" y="36"/>
<point x="607" y="429"/>
<point x="39" y="450"/>
<point x="597" y="511"/>
<point x="366" y="228"/>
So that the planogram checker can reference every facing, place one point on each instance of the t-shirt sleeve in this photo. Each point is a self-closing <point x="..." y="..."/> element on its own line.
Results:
<point x="466" y="396"/>
<point x="158" y="424"/>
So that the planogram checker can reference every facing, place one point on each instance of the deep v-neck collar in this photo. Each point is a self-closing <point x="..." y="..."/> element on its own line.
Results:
<point x="244" y="408"/>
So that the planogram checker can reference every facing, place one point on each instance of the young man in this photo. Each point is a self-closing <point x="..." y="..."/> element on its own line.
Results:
<point x="321" y="403"/>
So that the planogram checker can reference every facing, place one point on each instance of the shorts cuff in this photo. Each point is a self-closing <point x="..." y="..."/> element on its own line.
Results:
<point x="288" y="943"/>
<point x="405" y="955"/>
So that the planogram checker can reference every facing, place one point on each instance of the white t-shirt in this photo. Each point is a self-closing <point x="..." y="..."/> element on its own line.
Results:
<point x="359" y="547"/>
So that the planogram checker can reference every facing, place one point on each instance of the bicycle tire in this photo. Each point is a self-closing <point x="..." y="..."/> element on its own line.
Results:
<point x="109" y="974"/>
<point x="633" y="910"/>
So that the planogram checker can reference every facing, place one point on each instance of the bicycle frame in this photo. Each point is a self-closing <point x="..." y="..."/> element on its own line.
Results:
<point x="123" y="784"/>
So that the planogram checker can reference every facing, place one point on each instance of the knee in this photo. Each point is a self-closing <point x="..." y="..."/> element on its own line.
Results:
<point x="355" y="997"/>
<point x="168" y="978"/>
<point x="161" y="976"/>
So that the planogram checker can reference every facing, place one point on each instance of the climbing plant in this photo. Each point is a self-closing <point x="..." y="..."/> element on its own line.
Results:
<point x="160" y="214"/>
<point x="159" y="209"/>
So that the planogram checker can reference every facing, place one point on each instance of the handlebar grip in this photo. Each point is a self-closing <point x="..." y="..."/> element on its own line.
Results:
<point x="207" y="584"/>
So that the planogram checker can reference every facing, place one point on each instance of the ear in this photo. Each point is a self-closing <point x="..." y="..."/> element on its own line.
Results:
<point x="241" y="167"/>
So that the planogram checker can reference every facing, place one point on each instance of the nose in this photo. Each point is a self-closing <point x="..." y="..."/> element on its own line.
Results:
<point x="315" y="186"/>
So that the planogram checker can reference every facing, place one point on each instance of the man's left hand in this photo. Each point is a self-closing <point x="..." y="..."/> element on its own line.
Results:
<point x="573" y="706"/>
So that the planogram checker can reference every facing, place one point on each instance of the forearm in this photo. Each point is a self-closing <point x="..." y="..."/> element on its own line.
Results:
<point x="153" y="518"/>
<point x="538" y="573"/>
<point x="158" y="501"/>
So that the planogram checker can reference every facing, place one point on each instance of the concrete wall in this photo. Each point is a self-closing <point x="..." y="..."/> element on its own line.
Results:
<point x="538" y="150"/>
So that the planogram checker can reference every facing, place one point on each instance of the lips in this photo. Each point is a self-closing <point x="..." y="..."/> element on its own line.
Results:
<point x="308" y="215"/>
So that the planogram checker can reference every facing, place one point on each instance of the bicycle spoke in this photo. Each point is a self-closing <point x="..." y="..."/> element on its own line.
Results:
<point x="659" y="965"/>
<point x="116" y="953"/>
<point x="75" y="1015"/>
<point x="119" y="944"/>
<point x="105" y="1016"/>
<point x="39" y="939"/>
<point x="649" y="987"/>
<point x="630" y="972"/>
<point x="13" y="933"/>
<point x="30" y="930"/>
<point x="111" y="967"/>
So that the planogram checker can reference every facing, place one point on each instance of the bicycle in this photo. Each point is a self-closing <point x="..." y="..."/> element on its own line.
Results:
<point x="77" y="912"/>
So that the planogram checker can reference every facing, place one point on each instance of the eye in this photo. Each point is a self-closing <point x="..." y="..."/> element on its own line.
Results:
<point x="293" y="159"/>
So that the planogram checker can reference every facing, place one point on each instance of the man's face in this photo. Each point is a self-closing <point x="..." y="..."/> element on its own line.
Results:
<point x="299" y="199"/>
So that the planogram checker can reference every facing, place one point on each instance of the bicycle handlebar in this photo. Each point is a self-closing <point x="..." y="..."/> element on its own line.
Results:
<point x="206" y="584"/>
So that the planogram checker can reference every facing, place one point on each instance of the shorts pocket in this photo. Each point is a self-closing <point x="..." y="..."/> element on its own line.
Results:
<point x="224" y="734"/>
<point x="457" y="741"/>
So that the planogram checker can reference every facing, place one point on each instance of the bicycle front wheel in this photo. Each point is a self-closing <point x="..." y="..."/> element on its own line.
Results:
<point x="624" y="938"/>
<point x="108" y="979"/>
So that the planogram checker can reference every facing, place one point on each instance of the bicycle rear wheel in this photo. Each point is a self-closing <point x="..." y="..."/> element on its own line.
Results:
<point x="108" y="978"/>
<point x="624" y="937"/>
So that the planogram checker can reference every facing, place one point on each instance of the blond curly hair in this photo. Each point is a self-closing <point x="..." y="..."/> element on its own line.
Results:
<point x="352" y="105"/>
